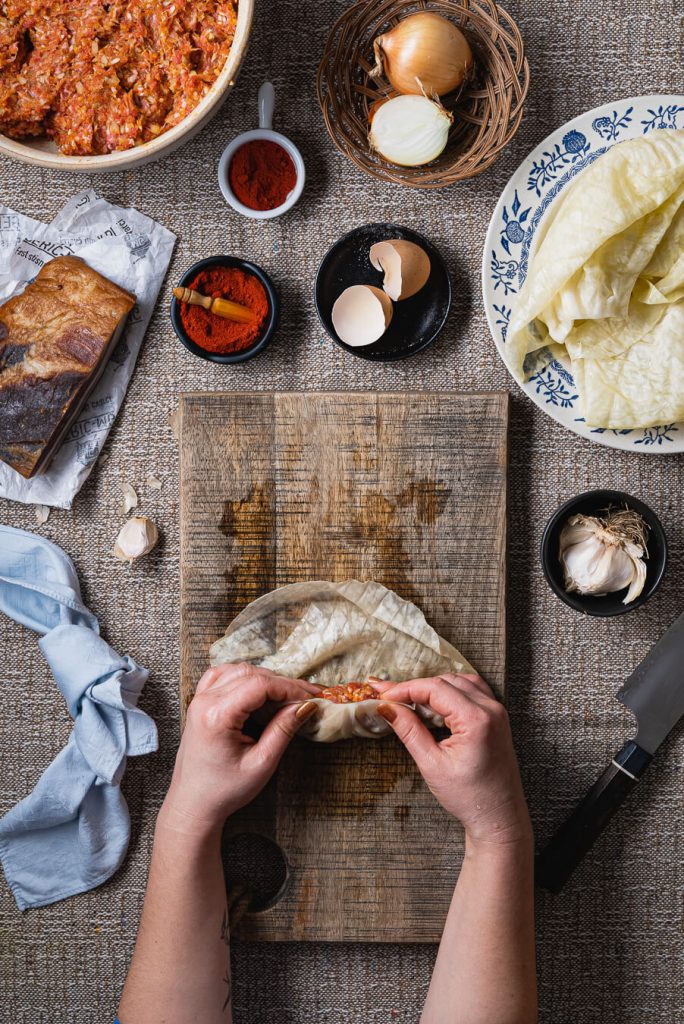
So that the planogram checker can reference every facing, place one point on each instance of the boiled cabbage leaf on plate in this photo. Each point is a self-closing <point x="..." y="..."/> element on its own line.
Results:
<point x="605" y="288"/>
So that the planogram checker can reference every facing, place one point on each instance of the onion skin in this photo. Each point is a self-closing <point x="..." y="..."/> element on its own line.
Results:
<point x="424" y="53"/>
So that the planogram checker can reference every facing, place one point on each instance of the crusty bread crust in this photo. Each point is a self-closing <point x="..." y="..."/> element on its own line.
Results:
<point x="55" y="340"/>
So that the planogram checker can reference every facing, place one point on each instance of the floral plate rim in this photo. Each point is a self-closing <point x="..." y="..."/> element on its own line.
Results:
<point x="539" y="178"/>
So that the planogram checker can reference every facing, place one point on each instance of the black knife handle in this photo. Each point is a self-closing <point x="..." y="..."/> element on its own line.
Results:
<point x="575" y="837"/>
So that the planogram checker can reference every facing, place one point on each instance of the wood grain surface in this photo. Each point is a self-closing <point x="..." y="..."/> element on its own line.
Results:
<point x="407" y="489"/>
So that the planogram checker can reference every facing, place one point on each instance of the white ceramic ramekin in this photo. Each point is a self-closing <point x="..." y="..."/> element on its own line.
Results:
<point x="264" y="131"/>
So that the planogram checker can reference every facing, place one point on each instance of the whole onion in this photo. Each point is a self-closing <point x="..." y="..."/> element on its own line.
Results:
<point x="424" y="53"/>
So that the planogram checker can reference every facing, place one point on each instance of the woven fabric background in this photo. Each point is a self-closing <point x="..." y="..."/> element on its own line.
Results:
<point x="610" y="947"/>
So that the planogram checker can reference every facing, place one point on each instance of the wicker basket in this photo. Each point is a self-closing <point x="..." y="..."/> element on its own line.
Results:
<point x="487" y="111"/>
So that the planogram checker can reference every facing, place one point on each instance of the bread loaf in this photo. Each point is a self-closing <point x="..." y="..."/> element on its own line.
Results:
<point x="55" y="340"/>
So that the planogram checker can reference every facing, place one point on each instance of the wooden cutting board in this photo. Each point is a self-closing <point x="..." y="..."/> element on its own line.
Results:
<point x="407" y="489"/>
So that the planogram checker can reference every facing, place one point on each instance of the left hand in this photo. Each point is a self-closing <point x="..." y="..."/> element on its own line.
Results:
<point x="218" y="768"/>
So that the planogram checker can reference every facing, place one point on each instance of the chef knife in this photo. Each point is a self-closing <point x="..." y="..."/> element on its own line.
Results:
<point x="655" y="694"/>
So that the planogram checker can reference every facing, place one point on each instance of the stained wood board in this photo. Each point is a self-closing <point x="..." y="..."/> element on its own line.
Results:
<point x="408" y="489"/>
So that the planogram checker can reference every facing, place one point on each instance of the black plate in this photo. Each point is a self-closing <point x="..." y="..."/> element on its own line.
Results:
<point x="595" y="503"/>
<point x="416" y="321"/>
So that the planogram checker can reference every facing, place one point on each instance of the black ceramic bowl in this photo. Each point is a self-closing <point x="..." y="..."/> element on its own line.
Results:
<point x="269" y="326"/>
<point x="416" y="322"/>
<point x="595" y="503"/>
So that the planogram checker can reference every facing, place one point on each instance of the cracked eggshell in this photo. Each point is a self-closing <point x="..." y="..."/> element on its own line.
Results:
<point x="405" y="265"/>
<point x="361" y="314"/>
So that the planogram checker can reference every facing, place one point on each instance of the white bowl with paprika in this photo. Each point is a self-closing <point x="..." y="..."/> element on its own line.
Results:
<point x="261" y="173"/>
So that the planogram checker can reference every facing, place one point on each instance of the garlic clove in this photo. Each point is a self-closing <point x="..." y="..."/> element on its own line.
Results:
<point x="410" y="130"/>
<point x="639" y="580"/>
<point x="368" y="718"/>
<point x="405" y="265"/>
<point x="136" y="538"/>
<point x="430" y="716"/>
<point x="361" y="314"/>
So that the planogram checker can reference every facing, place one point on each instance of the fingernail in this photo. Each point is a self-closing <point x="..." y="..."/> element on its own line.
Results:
<point x="306" y="710"/>
<point x="387" y="712"/>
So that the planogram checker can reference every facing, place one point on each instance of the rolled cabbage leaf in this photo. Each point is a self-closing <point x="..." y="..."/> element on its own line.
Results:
<point x="333" y="633"/>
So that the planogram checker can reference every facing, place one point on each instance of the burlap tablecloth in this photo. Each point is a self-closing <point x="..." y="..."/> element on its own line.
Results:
<point x="610" y="947"/>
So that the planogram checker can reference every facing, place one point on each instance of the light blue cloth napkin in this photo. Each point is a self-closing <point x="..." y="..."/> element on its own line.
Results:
<point x="71" y="833"/>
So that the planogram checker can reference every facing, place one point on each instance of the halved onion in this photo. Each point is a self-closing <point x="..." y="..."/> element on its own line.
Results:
<point x="410" y="130"/>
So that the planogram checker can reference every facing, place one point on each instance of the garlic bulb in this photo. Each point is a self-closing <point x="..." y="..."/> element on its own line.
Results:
<point x="601" y="555"/>
<point x="136" y="538"/>
<point x="410" y="130"/>
<point x="423" y="54"/>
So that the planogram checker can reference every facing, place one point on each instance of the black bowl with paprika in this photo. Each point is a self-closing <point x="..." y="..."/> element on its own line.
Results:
<point x="218" y="338"/>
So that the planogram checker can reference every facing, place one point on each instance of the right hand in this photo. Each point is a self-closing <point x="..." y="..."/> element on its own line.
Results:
<point x="473" y="773"/>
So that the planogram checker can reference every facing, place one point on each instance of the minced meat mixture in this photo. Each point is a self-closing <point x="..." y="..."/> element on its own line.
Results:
<point x="348" y="693"/>
<point x="98" y="77"/>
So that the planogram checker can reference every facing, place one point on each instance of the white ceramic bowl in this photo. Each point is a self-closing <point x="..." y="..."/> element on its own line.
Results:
<point x="44" y="153"/>
<point x="264" y="131"/>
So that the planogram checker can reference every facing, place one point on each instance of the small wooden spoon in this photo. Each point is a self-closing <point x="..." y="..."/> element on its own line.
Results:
<point x="221" y="307"/>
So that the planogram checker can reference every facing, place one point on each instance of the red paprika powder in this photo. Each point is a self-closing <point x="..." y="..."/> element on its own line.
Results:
<point x="214" y="333"/>
<point x="262" y="174"/>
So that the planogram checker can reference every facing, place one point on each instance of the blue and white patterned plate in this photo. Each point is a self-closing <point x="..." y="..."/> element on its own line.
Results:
<point x="529" y="193"/>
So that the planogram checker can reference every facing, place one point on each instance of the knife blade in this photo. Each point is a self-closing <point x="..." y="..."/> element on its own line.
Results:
<point x="655" y="694"/>
<point x="655" y="690"/>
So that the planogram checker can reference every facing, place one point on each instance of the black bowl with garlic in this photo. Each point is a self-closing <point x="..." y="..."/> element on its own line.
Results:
<point x="604" y="552"/>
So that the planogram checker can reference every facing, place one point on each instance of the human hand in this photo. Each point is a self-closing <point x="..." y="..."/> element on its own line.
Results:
<point x="473" y="773"/>
<point x="218" y="768"/>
